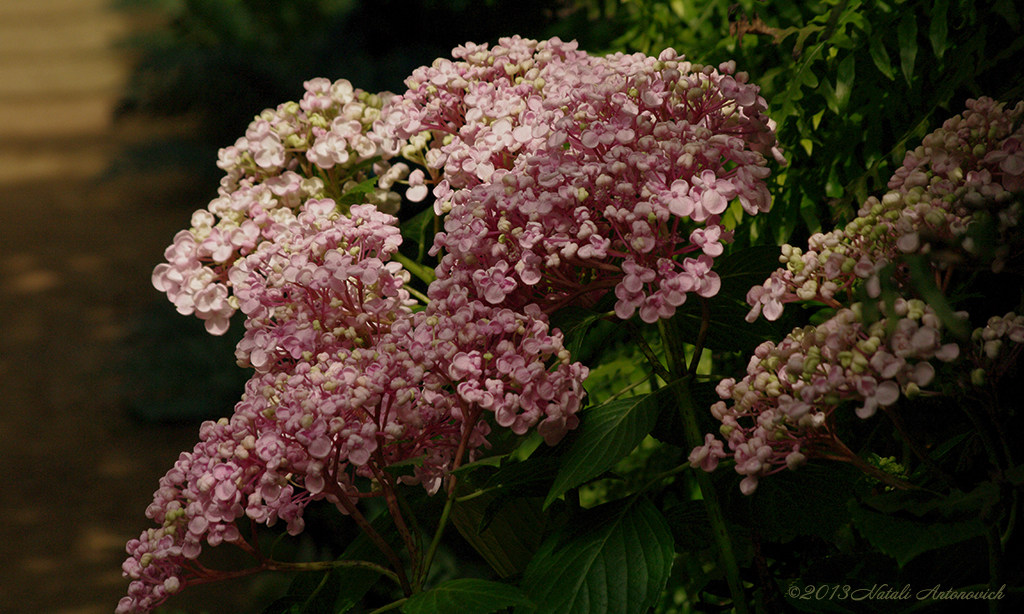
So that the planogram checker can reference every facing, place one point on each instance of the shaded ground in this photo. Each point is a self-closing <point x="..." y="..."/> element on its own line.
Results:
<point x="77" y="244"/>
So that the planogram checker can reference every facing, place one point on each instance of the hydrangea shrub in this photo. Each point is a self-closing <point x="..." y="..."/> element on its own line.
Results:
<point x="557" y="183"/>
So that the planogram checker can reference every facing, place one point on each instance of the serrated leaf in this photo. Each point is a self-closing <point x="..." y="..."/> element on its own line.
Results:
<point x="467" y="596"/>
<point x="614" y="559"/>
<point x="906" y="34"/>
<point x="938" y="27"/>
<point x="904" y="538"/>
<point x="904" y="524"/>
<point x="606" y="434"/>
<point x="844" y="83"/>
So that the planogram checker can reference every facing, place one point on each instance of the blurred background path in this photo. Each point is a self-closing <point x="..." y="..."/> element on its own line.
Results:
<point x="77" y="244"/>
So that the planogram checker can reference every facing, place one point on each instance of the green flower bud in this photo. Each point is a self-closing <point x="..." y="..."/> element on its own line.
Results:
<point x="978" y="377"/>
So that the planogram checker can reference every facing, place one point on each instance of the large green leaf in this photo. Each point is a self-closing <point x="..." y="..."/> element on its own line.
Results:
<point x="507" y="537"/>
<point x="669" y="427"/>
<point x="606" y="434"/>
<point x="691" y="527"/>
<point x="728" y="329"/>
<point x="467" y="596"/>
<point x="615" y="559"/>
<point x="809" y="501"/>
<point x="908" y="523"/>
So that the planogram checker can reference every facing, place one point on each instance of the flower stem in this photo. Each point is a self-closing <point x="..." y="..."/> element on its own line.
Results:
<point x="996" y="567"/>
<point x="428" y="558"/>
<point x="712" y="505"/>
<point x="672" y="341"/>
<point x="326" y="565"/>
<point x="376" y="538"/>
<point x="390" y="606"/>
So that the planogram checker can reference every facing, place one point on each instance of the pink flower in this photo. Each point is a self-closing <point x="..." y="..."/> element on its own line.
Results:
<point x="707" y="456"/>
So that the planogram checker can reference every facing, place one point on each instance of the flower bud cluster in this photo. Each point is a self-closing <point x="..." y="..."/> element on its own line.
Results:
<point x="320" y="147"/>
<point x="565" y="176"/>
<point x="781" y="413"/>
<point x="996" y="346"/>
<point x="974" y="157"/>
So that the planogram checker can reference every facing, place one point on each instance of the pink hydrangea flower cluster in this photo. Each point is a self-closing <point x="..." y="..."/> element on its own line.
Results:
<point x="561" y="176"/>
<point x="565" y="176"/>
<point x="350" y="380"/>
<point x="781" y="413"/>
<point x="320" y="147"/>
<point x="975" y="156"/>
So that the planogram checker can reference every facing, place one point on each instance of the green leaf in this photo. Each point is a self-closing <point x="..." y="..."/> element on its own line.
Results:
<point x="1008" y="10"/>
<point x="844" y="83"/>
<point x="669" y="427"/>
<point x="904" y="524"/>
<point x="728" y="330"/>
<point x="309" y="593"/>
<point x="743" y="269"/>
<point x="904" y="538"/>
<point x="506" y="538"/>
<point x="420" y="230"/>
<point x="606" y="434"/>
<point x="923" y="280"/>
<point x="809" y="501"/>
<point x="467" y="596"/>
<point x="613" y="559"/>
<point x="355" y="195"/>
<point x="691" y="527"/>
<point x="574" y="322"/>
<point x="907" y="35"/>
<point x="938" y="28"/>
